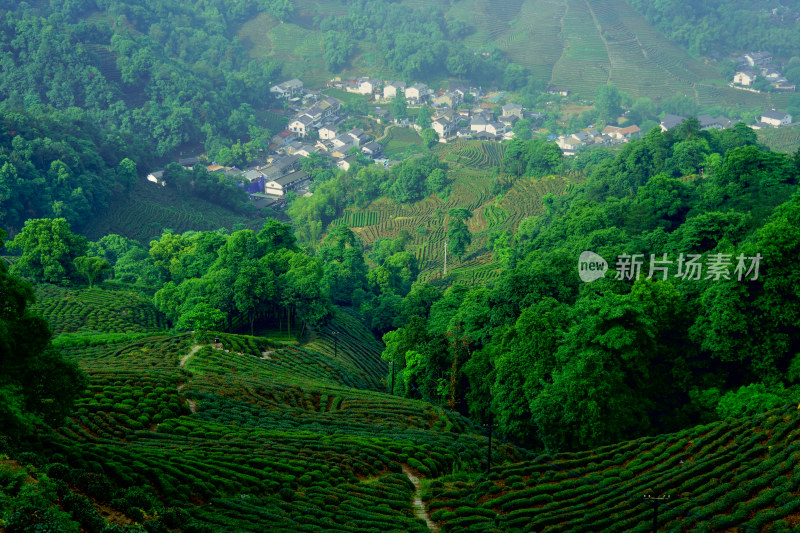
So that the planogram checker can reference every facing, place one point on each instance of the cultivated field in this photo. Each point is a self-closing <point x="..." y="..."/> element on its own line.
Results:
<point x="728" y="476"/>
<point x="247" y="431"/>
<point x="473" y="168"/>
<point x="150" y="208"/>
<point x="781" y="139"/>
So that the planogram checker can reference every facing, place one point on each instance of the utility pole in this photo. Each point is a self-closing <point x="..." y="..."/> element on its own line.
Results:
<point x="655" y="502"/>
<point x="445" y="259"/>
<point x="391" y="364"/>
<point x="489" y="458"/>
<point x="335" y="344"/>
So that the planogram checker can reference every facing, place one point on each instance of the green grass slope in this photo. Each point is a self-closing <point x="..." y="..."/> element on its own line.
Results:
<point x="255" y="435"/>
<point x="728" y="476"/>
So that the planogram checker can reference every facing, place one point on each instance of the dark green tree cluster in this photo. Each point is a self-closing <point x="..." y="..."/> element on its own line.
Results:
<point x="334" y="191"/>
<point x="215" y="187"/>
<point x="563" y="364"/>
<point x="535" y="157"/>
<point x="166" y="72"/>
<point x="212" y="280"/>
<point x="416" y="178"/>
<point x="37" y="386"/>
<point x="417" y="43"/>
<point x="49" y="252"/>
<point x="60" y="164"/>
<point x="703" y="27"/>
<point x="396" y="270"/>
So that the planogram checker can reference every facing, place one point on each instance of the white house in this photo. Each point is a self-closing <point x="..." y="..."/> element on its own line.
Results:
<point x="620" y="134"/>
<point x="776" y="118"/>
<point x="671" y="121"/>
<point x="358" y="136"/>
<point x="280" y="186"/>
<point x="443" y="127"/>
<point x="301" y="125"/>
<point x="368" y="86"/>
<point x="372" y="149"/>
<point x="391" y="90"/>
<point x="342" y="144"/>
<point x="345" y="163"/>
<point x="157" y="177"/>
<point x="478" y="123"/>
<point x="745" y="78"/>
<point x="495" y="128"/>
<point x="287" y="89"/>
<point x="758" y="58"/>
<point x="449" y="98"/>
<point x="510" y="110"/>
<point x="417" y="92"/>
<point x="327" y="132"/>
<point x="568" y="144"/>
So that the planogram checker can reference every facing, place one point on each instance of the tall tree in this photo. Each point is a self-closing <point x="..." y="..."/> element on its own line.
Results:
<point x="36" y="384"/>
<point x="91" y="268"/>
<point x="49" y="249"/>
<point x="608" y="101"/>
<point x="458" y="234"/>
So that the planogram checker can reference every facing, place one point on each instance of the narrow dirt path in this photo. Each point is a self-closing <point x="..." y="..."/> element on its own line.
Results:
<point x="191" y="403"/>
<point x="419" y="508"/>
<point x="194" y="350"/>
<point x="602" y="38"/>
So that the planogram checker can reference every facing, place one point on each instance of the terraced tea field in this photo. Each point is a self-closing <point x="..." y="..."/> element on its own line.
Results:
<point x="473" y="154"/>
<point x="728" y="476"/>
<point x="472" y="170"/>
<point x="96" y="311"/>
<point x="150" y="208"/>
<point x="781" y="139"/>
<point x="247" y="432"/>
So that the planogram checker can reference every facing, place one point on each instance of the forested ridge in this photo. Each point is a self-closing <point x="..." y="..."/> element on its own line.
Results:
<point x="95" y="93"/>
<point x="731" y="26"/>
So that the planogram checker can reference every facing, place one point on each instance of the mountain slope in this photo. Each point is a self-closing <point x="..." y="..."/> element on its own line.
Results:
<point x="246" y="432"/>
<point x="719" y="477"/>
<point x="569" y="44"/>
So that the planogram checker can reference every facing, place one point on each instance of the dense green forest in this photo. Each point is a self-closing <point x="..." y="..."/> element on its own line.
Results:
<point x="726" y="26"/>
<point x="166" y="73"/>
<point x="416" y="43"/>
<point x="567" y="365"/>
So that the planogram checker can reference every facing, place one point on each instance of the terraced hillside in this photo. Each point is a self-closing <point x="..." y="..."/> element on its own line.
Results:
<point x="246" y="432"/>
<point x="571" y="44"/>
<point x="96" y="311"/>
<point x="785" y="139"/>
<point x="149" y="209"/>
<point x="729" y="476"/>
<point x="472" y="171"/>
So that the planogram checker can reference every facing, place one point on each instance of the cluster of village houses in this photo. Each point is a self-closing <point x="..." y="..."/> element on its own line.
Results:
<point x="588" y="137"/>
<point x="754" y="65"/>
<point x="316" y="127"/>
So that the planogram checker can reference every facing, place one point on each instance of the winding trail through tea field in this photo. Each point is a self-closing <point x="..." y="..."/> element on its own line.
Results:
<point x="419" y="508"/>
